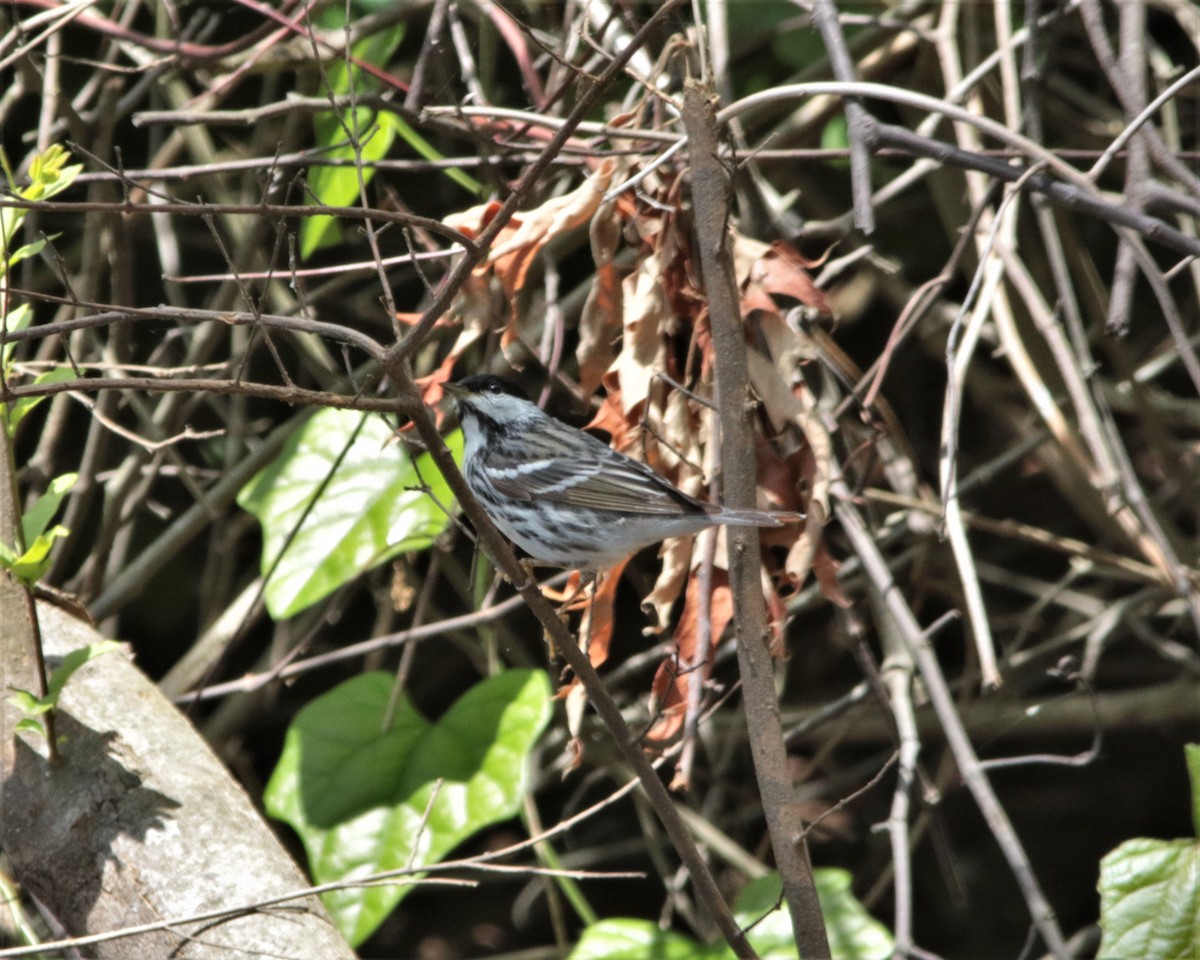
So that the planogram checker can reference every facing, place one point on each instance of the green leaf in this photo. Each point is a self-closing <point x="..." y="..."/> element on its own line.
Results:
<point x="853" y="932"/>
<point x="836" y="136"/>
<point x="1150" y="891"/>
<point x="72" y="662"/>
<point x="30" y="725"/>
<point x="27" y="251"/>
<point x="339" y="186"/>
<point x="1191" y="753"/>
<point x="26" y="702"/>
<point x="18" y="319"/>
<point x="621" y="939"/>
<point x="1150" y="899"/>
<point x="35" y="520"/>
<point x="34" y="706"/>
<point x="370" y="510"/>
<point x="376" y="132"/>
<point x="35" y="561"/>
<point x="21" y="406"/>
<point x="48" y="175"/>
<point x="358" y="793"/>
<point x="427" y="150"/>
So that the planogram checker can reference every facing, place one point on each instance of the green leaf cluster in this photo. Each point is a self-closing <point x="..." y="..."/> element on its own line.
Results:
<point x="49" y="174"/>
<point x="370" y="790"/>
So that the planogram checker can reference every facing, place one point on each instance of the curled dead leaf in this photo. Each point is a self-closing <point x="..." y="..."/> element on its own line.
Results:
<point x="773" y="388"/>
<point x="600" y="321"/>
<point x="596" y="627"/>
<point x="676" y="556"/>
<point x="643" y="343"/>
<point x="576" y="706"/>
<point x="668" y="701"/>
<point x="783" y="270"/>
<point x="669" y="691"/>
<point x="528" y="232"/>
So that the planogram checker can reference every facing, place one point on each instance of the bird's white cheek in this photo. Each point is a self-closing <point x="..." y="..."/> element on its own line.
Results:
<point x="472" y="437"/>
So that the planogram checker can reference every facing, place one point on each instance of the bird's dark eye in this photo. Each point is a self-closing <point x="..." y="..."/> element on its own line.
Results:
<point x="493" y="386"/>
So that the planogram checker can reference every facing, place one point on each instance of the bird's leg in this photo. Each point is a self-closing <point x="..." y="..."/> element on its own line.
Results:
<point x="581" y="597"/>
<point x="529" y="565"/>
<point x="589" y="584"/>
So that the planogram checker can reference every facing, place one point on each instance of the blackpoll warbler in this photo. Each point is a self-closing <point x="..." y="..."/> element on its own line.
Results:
<point x="560" y="494"/>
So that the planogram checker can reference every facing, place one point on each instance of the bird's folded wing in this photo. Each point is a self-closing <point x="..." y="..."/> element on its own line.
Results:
<point x="604" y="483"/>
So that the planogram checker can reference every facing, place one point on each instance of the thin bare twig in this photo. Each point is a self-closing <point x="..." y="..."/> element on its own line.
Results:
<point x="943" y="702"/>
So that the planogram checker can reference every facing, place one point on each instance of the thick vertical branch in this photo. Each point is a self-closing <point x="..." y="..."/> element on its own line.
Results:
<point x="710" y="199"/>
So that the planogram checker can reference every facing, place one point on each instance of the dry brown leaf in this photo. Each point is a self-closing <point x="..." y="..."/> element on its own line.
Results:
<point x="511" y="255"/>
<point x="669" y="691"/>
<point x="403" y="592"/>
<point x="825" y="567"/>
<point x="610" y="417"/>
<point x="772" y="385"/>
<point x="531" y="230"/>
<point x="764" y="272"/>
<point x="479" y="304"/>
<point x="472" y="221"/>
<point x="574" y="754"/>
<point x="601" y="319"/>
<point x="432" y="385"/>
<point x="800" y="556"/>
<point x="680" y="431"/>
<point x="575" y="696"/>
<point x="596" y="627"/>
<point x="746" y="253"/>
<point x="779" y="477"/>
<point x="676" y="557"/>
<point x="720" y="612"/>
<point x="643" y="345"/>
<point x="668" y="701"/>
<point x="784" y="344"/>
<point x="433" y="391"/>
<point x="784" y="270"/>
<point x="776" y="615"/>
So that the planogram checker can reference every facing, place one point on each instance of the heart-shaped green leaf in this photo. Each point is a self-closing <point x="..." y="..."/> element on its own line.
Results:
<point x="360" y="795"/>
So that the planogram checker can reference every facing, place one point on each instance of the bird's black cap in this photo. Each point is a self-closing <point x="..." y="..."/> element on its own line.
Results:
<point x="486" y="383"/>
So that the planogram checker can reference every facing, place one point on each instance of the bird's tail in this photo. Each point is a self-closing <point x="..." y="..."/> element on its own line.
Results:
<point x="756" y="518"/>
